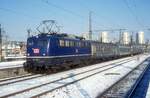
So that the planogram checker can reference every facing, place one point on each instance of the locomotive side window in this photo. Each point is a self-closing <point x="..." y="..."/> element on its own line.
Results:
<point x="76" y="44"/>
<point x="67" y="43"/>
<point x="62" y="43"/>
<point x="71" y="43"/>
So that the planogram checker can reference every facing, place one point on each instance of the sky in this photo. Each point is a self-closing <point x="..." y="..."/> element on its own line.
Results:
<point x="16" y="16"/>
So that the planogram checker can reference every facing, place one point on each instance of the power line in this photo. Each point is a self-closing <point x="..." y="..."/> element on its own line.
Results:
<point x="47" y="2"/>
<point x="101" y="16"/>
<point x="135" y="8"/>
<point x="107" y="20"/>
<point x="18" y="13"/>
<point x="73" y="13"/>
<point x="66" y="10"/>
<point x="133" y="14"/>
<point x="62" y="8"/>
<point x="51" y="4"/>
<point x="134" y="4"/>
<point x="91" y="20"/>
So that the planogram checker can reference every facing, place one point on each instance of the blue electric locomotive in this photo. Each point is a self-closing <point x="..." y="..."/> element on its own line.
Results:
<point x="53" y="51"/>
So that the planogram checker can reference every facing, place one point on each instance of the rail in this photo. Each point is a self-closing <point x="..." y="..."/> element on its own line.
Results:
<point x="84" y="75"/>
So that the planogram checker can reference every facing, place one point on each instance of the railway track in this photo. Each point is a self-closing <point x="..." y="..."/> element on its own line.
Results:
<point x="46" y="84"/>
<point x="125" y="87"/>
<point x="15" y="79"/>
<point x="138" y="84"/>
<point x="19" y="79"/>
<point x="139" y="89"/>
<point x="25" y="77"/>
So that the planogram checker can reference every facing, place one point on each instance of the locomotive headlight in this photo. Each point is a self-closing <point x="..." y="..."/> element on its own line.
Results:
<point x="44" y="54"/>
<point x="28" y="54"/>
<point x="37" y="36"/>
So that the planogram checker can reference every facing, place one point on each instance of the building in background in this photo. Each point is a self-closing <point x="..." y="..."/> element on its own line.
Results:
<point x="140" y="38"/>
<point x="125" y="38"/>
<point x="14" y="48"/>
<point x="104" y="37"/>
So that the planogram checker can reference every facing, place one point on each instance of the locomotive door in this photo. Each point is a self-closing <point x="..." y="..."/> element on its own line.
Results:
<point x="93" y="49"/>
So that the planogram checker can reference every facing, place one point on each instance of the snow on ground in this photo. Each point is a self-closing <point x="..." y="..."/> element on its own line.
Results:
<point x="148" y="92"/>
<point x="90" y="87"/>
<point x="15" y="57"/>
<point x="37" y="81"/>
<point x="11" y="64"/>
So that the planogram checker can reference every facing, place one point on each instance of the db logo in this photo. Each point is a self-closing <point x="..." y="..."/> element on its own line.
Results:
<point x="77" y="51"/>
<point x="36" y="50"/>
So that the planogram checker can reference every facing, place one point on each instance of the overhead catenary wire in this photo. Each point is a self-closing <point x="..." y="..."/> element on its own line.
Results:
<point x="18" y="13"/>
<point x="92" y="22"/>
<point x="67" y="11"/>
<point x="62" y="8"/>
<point x="135" y="8"/>
<point x="119" y="29"/>
<point x="133" y="14"/>
<point x="107" y="19"/>
<point x="51" y="4"/>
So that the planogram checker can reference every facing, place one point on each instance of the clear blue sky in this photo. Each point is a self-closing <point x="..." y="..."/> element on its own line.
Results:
<point x="16" y="16"/>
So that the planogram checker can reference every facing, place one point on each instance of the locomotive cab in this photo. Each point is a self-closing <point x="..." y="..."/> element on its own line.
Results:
<point x="37" y="52"/>
<point x="38" y="47"/>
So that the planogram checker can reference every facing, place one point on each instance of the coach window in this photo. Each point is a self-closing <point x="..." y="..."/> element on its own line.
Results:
<point x="82" y="44"/>
<point x="62" y="43"/>
<point x="86" y="44"/>
<point x="79" y="44"/>
<point x="76" y="44"/>
<point x="67" y="43"/>
<point x="71" y="43"/>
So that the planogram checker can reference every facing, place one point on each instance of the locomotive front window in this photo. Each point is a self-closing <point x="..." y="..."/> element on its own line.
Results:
<point x="42" y="43"/>
<point x="30" y="42"/>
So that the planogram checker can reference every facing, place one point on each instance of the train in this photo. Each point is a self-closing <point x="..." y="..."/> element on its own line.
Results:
<point x="51" y="52"/>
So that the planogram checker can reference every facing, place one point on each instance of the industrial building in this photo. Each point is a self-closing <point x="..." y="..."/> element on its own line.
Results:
<point x="140" y="37"/>
<point x="104" y="37"/>
<point x="125" y="38"/>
